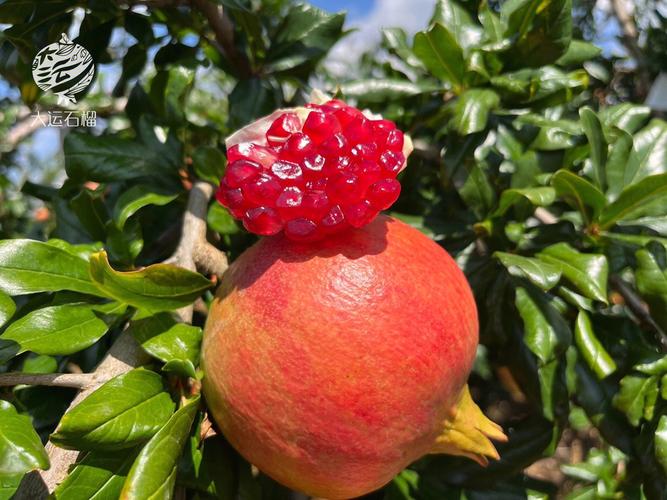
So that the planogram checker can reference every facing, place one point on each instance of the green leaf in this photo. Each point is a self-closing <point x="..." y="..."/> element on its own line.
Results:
<point x="661" y="443"/>
<point x="99" y="475"/>
<point x="626" y="116"/>
<point x="471" y="110"/>
<point x="250" y="99"/>
<point x="637" y="397"/>
<point x="593" y="130"/>
<point x="209" y="164"/>
<point x="593" y="352"/>
<point x="649" y="153"/>
<point x="652" y="285"/>
<point x="28" y="266"/>
<point x="9" y="485"/>
<point x="61" y="330"/>
<point x="7" y="308"/>
<point x="540" y="273"/>
<point x="494" y="27"/>
<point x="20" y="448"/>
<point x="122" y="413"/>
<point x="539" y="196"/>
<point x="577" y="53"/>
<point x="458" y="21"/>
<point x="303" y="37"/>
<point x="220" y="220"/>
<point x="541" y="29"/>
<point x="166" y="339"/>
<point x="546" y="332"/>
<point x="136" y="198"/>
<point x="579" y="193"/>
<point x="159" y="287"/>
<point x="91" y="212"/>
<point x="109" y="158"/>
<point x="153" y="473"/>
<point x="616" y="162"/>
<point x="441" y="54"/>
<point x="637" y="200"/>
<point x="588" y="272"/>
<point x="380" y="90"/>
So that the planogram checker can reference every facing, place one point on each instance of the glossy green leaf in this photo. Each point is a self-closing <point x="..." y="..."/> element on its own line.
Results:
<point x="159" y="287"/>
<point x="652" y="285"/>
<point x="9" y="485"/>
<point x="28" y="266"/>
<point x="593" y="352"/>
<point x="122" y="413"/>
<point x="99" y="475"/>
<point x="588" y="272"/>
<point x="649" y="153"/>
<point x="546" y="332"/>
<point x="441" y="54"/>
<point x="542" y="274"/>
<point x="637" y="200"/>
<point x="494" y="27"/>
<point x="209" y="164"/>
<point x="60" y="330"/>
<point x="542" y="30"/>
<point x="377" y="90"/>
<point x="578" y="52"/>
<point x="661" y="443"/>
<point x="626" y="116"/>
<point x="458" y="21"/>
<point x="539" y="196"/>
<point x="166" y="339"/>
<point x="616" y="163"/>
<point x="637" y="397"/>
<point x="598" y="144"/>
<point x="579" y="193"/>
<point x="220" y="220"/>
<point x="20" y="447"/>
<point x="136" y="198"/>
<point x="656" y="366"/>
<point x="7" y="308"/>
<point x="471" y="111"/>
<point x="153" y="473"/>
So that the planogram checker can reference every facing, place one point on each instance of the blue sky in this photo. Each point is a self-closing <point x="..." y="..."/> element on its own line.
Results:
<point x="355" y="9"/>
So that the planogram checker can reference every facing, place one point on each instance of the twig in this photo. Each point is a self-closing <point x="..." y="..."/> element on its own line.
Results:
<point x="76" y="380"/>
<point x="544" y="216"/>
<point x="223" y="28"/>
<point x="639" y="309"/>
<point x="126" y="354"/>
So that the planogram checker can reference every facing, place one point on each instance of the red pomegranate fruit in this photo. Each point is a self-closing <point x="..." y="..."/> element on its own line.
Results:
<point x="332" y="365"/>
<point x="312" y="171"/>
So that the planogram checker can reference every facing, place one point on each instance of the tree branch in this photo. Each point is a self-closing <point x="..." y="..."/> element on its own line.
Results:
<point x="126" y="354"/>
<point x="76" y="380"/>
<point x="639" y="309"/>
<point x="630" y="38"/>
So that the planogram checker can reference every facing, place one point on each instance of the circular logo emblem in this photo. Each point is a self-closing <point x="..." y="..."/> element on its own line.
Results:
<point x="64" y="68"/>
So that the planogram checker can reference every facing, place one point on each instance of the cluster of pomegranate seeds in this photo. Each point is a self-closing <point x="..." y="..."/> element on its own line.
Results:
<point x="335" y="170"/>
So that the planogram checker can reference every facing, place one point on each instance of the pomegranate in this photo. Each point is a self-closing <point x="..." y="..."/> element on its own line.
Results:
<point x="332" y="365"/>
<point x="313" y="171"/>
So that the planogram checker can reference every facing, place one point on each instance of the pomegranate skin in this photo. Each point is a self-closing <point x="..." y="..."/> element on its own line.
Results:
<point x="332" y="365"/>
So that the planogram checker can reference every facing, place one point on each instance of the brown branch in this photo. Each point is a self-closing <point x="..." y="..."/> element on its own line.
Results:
<point x="223" y="28"/>
<point x="629" y="38"/>
<point x="126" y="354"/>
<point x="639" y="309"/>
<point x="76" y="380"/>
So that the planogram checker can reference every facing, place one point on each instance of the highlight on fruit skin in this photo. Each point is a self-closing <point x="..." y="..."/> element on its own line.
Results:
<point x="333" y="365"/>
<point x="313" y="171"/>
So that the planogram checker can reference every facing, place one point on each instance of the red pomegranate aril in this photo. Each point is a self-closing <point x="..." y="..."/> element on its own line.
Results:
<point x="251" y="151"/>
<point x="347" y="115"/>
<point x="369" y="171"/>
<point x="296" y="147"/>
<point x="318" y="184"/>
<point x="312" y="166"/>
<point x="383" y="194"/>
<point x="334" y="219"/>
<point x="359" y="130"/>
<point x="340" y="164"/>
<point x="240" y="171"/>
<point x="263" y="221"/>
<point x="284" y="126"/>
<point x="368" y="151"/>
<point x="359" y="214"/>
<point x="319" y="126"/>
<point x="334" y="145"/>
<point x="262" y="190"/>
<point x="291" y="197"/>
<point x="315" y="204"/>
<point x="395" y="140"/>
<point x="345" y="188"/>
<point x="335" y="103"/>
<point x="392" y="161"/>
<point x="300" y="229"/>
<point x="286" y="170"/>
<point x="230" y="197"/>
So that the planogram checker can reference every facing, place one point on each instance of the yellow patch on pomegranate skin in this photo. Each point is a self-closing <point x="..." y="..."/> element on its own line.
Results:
<point x="333" y="365"/>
